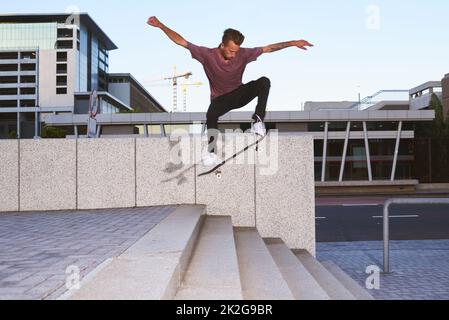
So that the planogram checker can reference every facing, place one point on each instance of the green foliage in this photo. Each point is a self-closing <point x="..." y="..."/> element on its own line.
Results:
<point x="438" y="128"/>
<point x="12" y="135"/>
<point x="53" y="133"/>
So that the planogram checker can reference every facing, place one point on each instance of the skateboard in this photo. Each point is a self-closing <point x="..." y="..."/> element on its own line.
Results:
<point x="217" y="169"/>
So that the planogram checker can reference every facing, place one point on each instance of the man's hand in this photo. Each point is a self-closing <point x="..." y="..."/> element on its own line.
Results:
<point x="303" y="44"/>
<point x="175" y="37"/>
<point x="154" y="22"/>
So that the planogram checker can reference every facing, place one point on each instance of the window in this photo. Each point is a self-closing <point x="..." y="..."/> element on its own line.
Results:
<point x="27" y="103"/>
<point x="8" y="92"/>
<point x="61" y="68"/>
<point x="65" y="33"/>
<point x="28" y="55"/>
<point x="61" y="90"/>
<point x="8" y="103"/>
<point x="8" y="67"/>
<point x="28" y="67"/>
<point x="27" y="79"/>
<point x="27" y="91"/>
<point x="8" y="79"/>
<point x="8" y="55"/>
<point x="62" y="57"/>
<point x="61" y="80"/>
<point x="64" y="44"/>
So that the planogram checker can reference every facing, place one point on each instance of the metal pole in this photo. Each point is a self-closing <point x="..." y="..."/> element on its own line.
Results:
<point x="163" y="133"/>
<point x="326" y="135"/>
<point x="387" y="237"/>
<point x="396" y="151"/>
<point x="18" y="94"/>
<point x="345" y="151"/>
<point x="386" y="222"/>
<point x="368" y="156"/>
<point x="145" y="130"/>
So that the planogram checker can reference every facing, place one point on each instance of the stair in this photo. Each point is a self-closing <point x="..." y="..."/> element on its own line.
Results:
<point x="301" y="283"/>
<point x="191" y="256"/>
<point x="213" y="273"/>
<point x="152" y="269"/>
<point x="357" y="291"/>
<point x="327" y="281"/>
<point x="261" y="278"/>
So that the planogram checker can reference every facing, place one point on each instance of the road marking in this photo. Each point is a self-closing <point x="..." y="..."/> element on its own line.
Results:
<point x="361" y="205"/>
<point x="404" y="216"/>
<point x="321" y="218"/>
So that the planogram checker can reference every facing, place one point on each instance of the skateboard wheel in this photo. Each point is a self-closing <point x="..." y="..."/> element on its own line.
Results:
<point x="218" y="175"/>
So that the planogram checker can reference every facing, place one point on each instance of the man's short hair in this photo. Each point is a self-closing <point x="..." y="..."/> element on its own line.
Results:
<point x="234" y="35"/>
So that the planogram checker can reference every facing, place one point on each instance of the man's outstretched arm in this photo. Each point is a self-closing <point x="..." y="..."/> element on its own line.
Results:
<point x="301" y="44"/>
<point x="175" y="37"/>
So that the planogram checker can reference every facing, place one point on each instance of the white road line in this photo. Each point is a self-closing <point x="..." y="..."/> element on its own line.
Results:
<point x="321" y="218"/>
<point x="360" y="205"/>
<point x="404" y="216"/>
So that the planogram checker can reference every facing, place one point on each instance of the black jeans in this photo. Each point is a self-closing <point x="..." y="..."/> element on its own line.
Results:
<point x="237" y="99"/>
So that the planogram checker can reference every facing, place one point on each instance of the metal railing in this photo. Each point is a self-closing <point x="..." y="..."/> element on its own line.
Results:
<point x="386" y="222"/>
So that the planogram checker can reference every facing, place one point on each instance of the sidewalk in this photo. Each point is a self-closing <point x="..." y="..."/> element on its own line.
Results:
<point x="420" y="269"/>
<point x="37" y="248"/>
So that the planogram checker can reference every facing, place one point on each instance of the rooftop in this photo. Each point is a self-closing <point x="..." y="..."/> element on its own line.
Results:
<point x="60" y="17"/>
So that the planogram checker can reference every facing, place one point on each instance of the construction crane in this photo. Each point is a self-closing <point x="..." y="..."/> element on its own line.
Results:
<point x="184" y="90"/>
<point x="174" y="80"/>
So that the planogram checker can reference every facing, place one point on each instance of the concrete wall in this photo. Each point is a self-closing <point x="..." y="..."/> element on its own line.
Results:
<point x="272" y="189"/>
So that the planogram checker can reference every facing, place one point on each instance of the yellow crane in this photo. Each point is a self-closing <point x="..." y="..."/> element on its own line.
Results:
<point x="184" y="90"/>
<point x="174" y="80"/>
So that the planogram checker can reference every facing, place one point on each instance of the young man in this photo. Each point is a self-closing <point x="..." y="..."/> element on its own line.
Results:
<point x="224" y="67"/>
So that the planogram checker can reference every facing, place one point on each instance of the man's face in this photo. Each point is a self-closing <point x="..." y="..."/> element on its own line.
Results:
<point x="229" y="51"/>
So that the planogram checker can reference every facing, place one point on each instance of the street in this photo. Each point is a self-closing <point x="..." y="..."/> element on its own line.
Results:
<point x="358" y="222"/>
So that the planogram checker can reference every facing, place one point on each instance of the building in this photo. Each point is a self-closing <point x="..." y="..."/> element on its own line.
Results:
<point x="50" y="63"/>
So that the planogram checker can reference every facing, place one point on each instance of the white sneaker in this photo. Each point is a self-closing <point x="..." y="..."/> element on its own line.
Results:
<point x="259" y="128"/>
<point x="210" y="159"/>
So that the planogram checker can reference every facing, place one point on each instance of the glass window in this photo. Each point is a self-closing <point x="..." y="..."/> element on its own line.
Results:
<point x="28" y="35"/>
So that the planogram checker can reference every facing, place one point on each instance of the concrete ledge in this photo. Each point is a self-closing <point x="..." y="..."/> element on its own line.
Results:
<point x="106" y="173"/>
<point x="9" y="175"/>
<point x="367" y="183"/>
<point x="153" y="268"/>
<point x="47" y="175"/>
<point x="158" y="181"/>
<point x="363" y="187"/>
<point x="285" y="193"/>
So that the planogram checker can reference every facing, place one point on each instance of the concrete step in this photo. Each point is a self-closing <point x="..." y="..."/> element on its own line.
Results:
<point x="327" y="281"/>
<point x="261" y="278"/>
<point x="213" y="272"/>
<point x="152" y="269"/>
<point x="357" y="291"/>
<point x="301" y="283"/>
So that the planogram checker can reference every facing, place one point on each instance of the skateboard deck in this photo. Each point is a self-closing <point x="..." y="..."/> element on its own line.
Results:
<point x="217" y="168"/>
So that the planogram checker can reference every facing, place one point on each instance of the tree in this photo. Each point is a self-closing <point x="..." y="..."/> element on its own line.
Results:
<point x="438" y="128"/>
<point x="52" y="132"/>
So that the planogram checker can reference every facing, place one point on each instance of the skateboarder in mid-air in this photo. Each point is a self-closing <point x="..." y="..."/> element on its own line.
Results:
<point x="224" y="67"/>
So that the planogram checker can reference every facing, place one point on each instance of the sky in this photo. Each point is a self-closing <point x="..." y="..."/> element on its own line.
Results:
<point x="360" y="46"/>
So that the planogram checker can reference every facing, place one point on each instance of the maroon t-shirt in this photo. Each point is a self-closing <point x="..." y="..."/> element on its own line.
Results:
<point x="224" y="77"/>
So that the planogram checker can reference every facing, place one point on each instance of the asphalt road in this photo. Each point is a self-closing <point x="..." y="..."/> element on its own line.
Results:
<point x="341" y="223"/>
